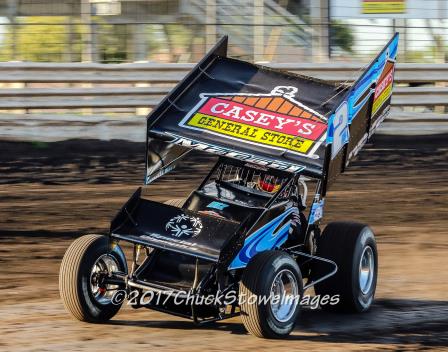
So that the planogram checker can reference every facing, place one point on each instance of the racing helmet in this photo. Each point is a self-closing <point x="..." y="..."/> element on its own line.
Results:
<point x="268" y="184"/>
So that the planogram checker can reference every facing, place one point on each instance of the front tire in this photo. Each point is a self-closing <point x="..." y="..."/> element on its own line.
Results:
<point x="352" y="247"/>
<point x="270" y="273"/>
<point x="80" y="287"/>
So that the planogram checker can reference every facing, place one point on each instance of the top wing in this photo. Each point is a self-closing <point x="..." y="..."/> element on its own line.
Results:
<point x="269" y="117"/>
<point x="234" y="108"/>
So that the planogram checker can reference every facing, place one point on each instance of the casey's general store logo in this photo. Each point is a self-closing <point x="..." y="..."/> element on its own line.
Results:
<point x="383" y="90"/>
<point x="274" y="120"/>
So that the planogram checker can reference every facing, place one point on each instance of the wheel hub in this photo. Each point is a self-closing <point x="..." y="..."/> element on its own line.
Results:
<point x="366" y="270"/>
<point x="103" y="267"/>
<point x="284" y="293"/>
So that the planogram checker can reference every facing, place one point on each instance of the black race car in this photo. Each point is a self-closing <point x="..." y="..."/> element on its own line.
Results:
<point x="243" y="243"/>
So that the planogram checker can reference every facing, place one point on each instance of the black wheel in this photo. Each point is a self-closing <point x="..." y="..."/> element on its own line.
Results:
<point x="88" y="260"/>
<point x="352" y="247"/>
<point x="176" y="202"/>
<point x="274" y="275"/>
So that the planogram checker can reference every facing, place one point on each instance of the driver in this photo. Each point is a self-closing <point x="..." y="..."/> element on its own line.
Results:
<point x="268" y="184"/>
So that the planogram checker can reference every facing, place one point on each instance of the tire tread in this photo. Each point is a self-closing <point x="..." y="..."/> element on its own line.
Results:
<point x="71" y="274"/>
<point x="251" y="314"/>
<point x="176" y="202"/>
<point x="337" y="241"/>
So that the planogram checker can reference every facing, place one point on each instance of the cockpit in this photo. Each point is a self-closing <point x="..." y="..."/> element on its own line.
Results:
<point x="231" y="190"/>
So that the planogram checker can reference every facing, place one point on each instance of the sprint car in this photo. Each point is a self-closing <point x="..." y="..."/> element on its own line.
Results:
<point x="250" y="227"/>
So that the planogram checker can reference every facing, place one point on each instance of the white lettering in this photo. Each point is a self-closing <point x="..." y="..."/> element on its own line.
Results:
<point x="215" y="110"/>
<point x="308" y="127"/>
<point x="250" y="115"/>
<point x="264" y="119"/>
<point x="282" y="121"/>
<point x="241" y="156"/>
<point x="234" y="112"/>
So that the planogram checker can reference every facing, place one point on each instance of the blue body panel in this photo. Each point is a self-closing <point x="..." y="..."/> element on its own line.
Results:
<point x="267" y="237"/>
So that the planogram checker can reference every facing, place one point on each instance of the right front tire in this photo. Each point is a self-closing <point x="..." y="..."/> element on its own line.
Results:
<point x="270" y="274"/>
<point x="88" y="259"/>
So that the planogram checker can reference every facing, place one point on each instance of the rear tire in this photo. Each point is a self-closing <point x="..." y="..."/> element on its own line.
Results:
<point x="352" y="247"/>
<point x="176" y="202"/>
<point x="265" y="274"/>
<point x="83" y="298"/>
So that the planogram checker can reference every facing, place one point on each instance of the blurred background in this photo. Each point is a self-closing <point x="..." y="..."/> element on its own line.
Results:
<point x="118" y="58"/>
<point x="78" y="77"/>
<point x="114" y="31"/>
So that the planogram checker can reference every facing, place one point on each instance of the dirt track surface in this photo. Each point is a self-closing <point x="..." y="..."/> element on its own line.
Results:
<point x="51" y="193"/>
